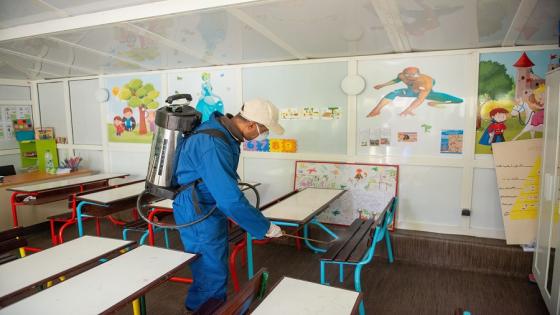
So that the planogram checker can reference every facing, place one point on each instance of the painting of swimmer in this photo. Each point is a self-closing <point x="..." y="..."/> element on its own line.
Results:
<point x="208" y="101"/>
<point x="418" y="86"/>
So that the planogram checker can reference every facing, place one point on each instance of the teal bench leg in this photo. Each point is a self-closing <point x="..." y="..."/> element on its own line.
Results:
<point x="341" y="273"/>
<point x="358" y="286"/>
<point x="322" y="272"/>
<point x="166" y="238"/>
<point x="389" y="247"/>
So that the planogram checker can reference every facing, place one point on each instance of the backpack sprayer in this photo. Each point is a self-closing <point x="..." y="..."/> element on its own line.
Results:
<point x="174" y="124"/>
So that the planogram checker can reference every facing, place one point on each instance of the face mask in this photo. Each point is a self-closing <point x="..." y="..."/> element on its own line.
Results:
<point x="261" y="136"/>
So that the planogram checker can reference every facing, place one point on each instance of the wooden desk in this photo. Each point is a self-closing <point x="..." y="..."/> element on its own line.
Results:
<point x="107" y="287"/>
<point x="297" y="209"/>
<point x="106" y="202"/>
<point x="37" y="194"/>
<point x="302" y="206"/>
<point x="292" y="296"/>
<point x="33" y="177"/>
<point x="24" y="273"/>
<point x="37" y="213"/>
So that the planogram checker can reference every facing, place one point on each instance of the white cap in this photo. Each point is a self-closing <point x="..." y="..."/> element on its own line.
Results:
<point x="264" y="113"/>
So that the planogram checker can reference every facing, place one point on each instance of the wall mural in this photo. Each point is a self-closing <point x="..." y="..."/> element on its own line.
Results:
<point x="511" y="90"/>
<point x="131" y="108"/>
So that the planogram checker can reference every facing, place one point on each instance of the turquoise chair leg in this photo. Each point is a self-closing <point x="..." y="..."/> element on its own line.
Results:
<point x="341" y="273"/>
<point x="249" y="256"/>
<point x="166" y="238"/>
<point x="143" y="238"/>
<point x="124" y="232"/>
<point x="389" y="247"/>
<point x="322" y="263"/>
<point x="358" y="287"/>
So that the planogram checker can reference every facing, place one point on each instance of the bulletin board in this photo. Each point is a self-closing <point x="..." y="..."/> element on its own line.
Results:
<point x="313" y="108"/>
<point x="390" y="122"/>
<point x="214" y="90"/>
<point x="131" y="107"/>
<point x="369" y="187"/>
<point x="7" y="115"/>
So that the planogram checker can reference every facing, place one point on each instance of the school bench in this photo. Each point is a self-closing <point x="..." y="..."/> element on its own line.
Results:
<point x="356" y="246"/>
<point x="241" y="302"/>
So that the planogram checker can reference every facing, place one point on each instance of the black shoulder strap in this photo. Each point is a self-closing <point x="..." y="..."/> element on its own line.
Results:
<point x="214" y="133"/>
<point x="211" y="132"/>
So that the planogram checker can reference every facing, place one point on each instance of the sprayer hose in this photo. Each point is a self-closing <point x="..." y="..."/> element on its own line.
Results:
<point x="140" y="206"/>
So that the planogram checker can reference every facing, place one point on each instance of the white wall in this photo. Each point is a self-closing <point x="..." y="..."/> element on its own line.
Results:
<point x="13" y="93"/>
<point x="432" y="190"/>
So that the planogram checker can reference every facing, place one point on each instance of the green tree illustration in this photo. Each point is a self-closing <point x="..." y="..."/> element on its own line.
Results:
<point x="141" y="96"/>
<point x="493" y="80"/>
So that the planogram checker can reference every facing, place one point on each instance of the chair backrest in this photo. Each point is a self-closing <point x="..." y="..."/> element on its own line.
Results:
<point x="240" y="303"/>
<point x="7" y="170"/>
<point x="384" y="220"/>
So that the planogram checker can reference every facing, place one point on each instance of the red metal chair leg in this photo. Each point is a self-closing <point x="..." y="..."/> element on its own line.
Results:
<point x="54" y="238"/>
<point x="62" y="228"/>
<point x="232" y="269"/>
<point x="97" y="227"/>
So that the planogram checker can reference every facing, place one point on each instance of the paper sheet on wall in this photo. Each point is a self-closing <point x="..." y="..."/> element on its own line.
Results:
<point x="517" y="170"/>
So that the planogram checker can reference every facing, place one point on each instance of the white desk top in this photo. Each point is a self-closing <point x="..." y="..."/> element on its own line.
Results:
<point x="301" y="205"/>
<point x="106" y="286"/>
<point x="108" y="196"/>
<point x="168" y="203"/>
<point x="25" y="272"/>
<point x="65" y="183"/>
<point x="292" y="296"/>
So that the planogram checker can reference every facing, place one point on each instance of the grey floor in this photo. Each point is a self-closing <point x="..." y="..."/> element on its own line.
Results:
<point x="398" y="288"/>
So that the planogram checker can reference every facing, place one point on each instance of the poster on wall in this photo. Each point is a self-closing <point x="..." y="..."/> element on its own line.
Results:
<point x="211" y="90"/>
<point x="416" y="94"/>
<point x="518" y="166"/>
<point x="369" y="187"/>
<point x="131" y="107"/>
<point x="8" y="114"/>
<point x="511" y="89"/>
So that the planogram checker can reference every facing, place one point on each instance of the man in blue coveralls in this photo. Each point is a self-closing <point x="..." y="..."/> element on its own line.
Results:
<point x="214" y="161"/>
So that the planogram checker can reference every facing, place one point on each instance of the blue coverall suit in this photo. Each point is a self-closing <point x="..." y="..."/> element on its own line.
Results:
<point x="215" y="162"/>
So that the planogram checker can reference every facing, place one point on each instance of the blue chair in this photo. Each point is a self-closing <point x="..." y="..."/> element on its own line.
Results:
<point x="356" y="247"/>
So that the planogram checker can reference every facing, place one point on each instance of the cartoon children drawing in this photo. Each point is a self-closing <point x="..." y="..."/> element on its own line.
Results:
<point x="119" y="126"/>
<point x="495" y="131"/>
<point x="128" y="120"/>
<point x="151" y="117"/>
<point x="419" y="86"/>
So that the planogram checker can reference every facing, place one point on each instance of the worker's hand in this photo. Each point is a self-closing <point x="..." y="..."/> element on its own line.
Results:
<point x="274" y="231"/>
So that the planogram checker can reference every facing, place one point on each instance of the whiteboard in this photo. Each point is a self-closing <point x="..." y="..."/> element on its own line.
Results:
<point x="276" y="177"/>
<point x="223" y="83"/>
<point x="51" y="106"/>
<point x="14" y="92"/>
<point x="133" y="163"/>
<point x="92" y="159"/>
<point x="451" y="75"/>
<point x="486" y="211"/>
<point x="370" y="187"/>
<point x="430" y="195"/>
<point x="299" y="86"/>
<point x="86" y="111"/>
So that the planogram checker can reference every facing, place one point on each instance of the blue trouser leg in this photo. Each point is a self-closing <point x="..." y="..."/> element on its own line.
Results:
<point x="209" y="240"/>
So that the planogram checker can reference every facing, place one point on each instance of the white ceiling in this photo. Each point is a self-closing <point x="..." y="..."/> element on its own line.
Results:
<point x="260" y="31"/>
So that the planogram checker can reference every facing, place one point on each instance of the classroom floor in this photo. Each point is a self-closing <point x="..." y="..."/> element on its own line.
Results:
<point x="399" y="288"/>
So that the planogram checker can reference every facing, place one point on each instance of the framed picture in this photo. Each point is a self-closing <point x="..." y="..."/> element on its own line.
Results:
<point x="44" y="133"/>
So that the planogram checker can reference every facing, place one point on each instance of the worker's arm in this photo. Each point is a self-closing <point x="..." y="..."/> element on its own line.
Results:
<point x="220" y="178"/>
